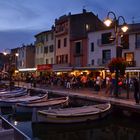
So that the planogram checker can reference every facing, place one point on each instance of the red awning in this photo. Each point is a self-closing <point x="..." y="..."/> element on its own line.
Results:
<point x="44" y="67"/>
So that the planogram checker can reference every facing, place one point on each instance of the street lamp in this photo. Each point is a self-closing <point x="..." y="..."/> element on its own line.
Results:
<point x="11" y="68"/>
<point x="118" y="30"/>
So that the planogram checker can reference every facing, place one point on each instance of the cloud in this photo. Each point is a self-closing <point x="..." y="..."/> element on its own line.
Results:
<point x="21" y="19"/>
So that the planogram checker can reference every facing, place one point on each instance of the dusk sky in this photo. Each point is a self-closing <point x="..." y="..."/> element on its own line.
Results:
<point x="20" y="20"/>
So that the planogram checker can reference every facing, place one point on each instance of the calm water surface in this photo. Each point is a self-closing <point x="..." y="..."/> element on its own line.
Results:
<point x="113" y="127"/>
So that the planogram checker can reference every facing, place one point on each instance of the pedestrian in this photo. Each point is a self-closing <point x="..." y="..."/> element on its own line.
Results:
<point x="107" y="83"/>
<point x="136" y="90"/>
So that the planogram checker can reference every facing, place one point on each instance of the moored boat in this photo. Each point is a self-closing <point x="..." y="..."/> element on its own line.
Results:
<point x="75" y="114"/>
<point x="41" y="104"/>
<point x="9" y="102"/>
<point x="11" y="91"/>
<point x="14" y="93"/>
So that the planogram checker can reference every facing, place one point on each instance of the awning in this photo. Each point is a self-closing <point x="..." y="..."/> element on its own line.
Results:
<point x="27" y="69"/>
<point x="63" y="69"/>
<point x="89" y="68"/>
<point x="132" y="69"/>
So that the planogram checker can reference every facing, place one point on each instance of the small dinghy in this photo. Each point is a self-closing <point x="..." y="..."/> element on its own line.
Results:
<point x="41" y="104"/>
<point x="75" y="114"/>
<point x="14" y="93"/>
<point x="9" y="102"/>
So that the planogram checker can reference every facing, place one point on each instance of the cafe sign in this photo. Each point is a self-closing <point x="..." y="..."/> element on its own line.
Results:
<point x="44" y="67"/>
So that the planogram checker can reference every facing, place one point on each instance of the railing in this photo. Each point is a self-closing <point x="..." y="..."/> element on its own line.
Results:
<point x="99" y="43"/>
<point x="64" y="31"/>
<point x="18" y="135"/>
<point x="131" y="63"/>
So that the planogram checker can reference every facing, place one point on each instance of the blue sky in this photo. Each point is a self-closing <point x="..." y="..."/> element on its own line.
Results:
<point x="20" y="20"/>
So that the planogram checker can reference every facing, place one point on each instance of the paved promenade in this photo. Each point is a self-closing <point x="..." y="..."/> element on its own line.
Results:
<point x="88" y="92"/>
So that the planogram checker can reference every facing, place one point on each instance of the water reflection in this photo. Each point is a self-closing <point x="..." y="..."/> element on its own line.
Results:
<point x="113" y="127"/>
<point x="107" y="129"/>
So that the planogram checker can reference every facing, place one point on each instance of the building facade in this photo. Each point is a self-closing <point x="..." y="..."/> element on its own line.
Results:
<point x="26" y="56"/>
<point x="101" y="47"/>
<point x="45" y="48"/>
<point x="71" y="38"/>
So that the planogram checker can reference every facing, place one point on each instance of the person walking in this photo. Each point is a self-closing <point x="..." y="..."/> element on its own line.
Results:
<point x="136" y="90"/>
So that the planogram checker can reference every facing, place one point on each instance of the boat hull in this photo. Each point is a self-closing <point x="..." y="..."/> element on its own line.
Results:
<point x="13" y="102"/>
<point x="71" y="118"/>
<point x="23" y="108"/>
<point x="62" y="120"/>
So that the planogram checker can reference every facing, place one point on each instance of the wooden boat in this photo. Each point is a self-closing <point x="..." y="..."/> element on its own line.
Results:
<point x="10" y="91"/>
<point x="9" y="102"/>
<point x="14" y="93"/>
<point x="74" y="115"/>
<point x="40" y="105"/>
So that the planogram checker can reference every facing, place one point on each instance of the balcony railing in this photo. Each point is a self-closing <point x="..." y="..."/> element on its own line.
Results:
<point x="64" y="31"/>
<point x="99" y="43"/>
<point x="131" y="63"/>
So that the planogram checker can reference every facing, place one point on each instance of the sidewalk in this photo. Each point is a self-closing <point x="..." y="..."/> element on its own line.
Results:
<point x="83" y="91"/>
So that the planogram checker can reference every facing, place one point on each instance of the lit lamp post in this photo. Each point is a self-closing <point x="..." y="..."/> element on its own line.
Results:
<point x="118" y="30"/>
<point x="11" y="68"/>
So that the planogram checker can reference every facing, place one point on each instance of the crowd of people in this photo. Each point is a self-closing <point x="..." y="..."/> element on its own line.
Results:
<point x="84" y="81"/>
<point x="97" y="83"/>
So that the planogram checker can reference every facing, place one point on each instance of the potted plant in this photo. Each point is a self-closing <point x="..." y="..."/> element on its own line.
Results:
<point x="117" y="63"/>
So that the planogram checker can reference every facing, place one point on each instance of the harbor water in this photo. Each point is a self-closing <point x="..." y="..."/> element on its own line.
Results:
<point x="114" y="127"/>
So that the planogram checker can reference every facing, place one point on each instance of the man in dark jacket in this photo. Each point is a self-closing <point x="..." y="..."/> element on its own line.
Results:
<point x="136" y="90"/>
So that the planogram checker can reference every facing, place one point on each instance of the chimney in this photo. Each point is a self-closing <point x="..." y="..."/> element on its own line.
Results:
<point x="69" y="14"/>
<point x="84" y="11"/>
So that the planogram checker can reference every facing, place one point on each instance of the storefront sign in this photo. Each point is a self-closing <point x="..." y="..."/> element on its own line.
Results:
<point x="44" y="67"/>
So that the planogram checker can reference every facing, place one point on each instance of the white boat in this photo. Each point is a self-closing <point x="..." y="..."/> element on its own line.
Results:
<point x="75" y="114"/>
<point x="9" y="102"/>
<point x="40" y="105"/>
